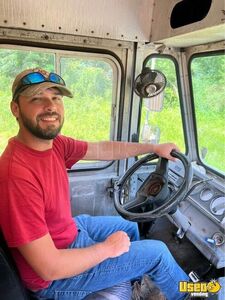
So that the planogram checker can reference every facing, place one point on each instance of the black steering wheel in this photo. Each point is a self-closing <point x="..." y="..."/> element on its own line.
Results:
<point x="156" y="196"/>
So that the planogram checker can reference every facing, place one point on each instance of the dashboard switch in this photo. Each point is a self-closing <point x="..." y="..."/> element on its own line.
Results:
<point x="210" y="241"/>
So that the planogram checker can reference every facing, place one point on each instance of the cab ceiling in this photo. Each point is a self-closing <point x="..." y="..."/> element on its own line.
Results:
<point x="127" y="20"/>
<point x="142" y="21"/>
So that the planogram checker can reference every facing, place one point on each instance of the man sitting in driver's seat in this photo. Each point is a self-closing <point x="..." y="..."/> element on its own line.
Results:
<point x="59" y="255"/>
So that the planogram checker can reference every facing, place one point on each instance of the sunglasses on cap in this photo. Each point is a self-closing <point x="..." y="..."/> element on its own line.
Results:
<point x="36" y="78"/>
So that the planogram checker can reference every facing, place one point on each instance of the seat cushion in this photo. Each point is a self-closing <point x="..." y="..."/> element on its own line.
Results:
<point x="121" y="291"/>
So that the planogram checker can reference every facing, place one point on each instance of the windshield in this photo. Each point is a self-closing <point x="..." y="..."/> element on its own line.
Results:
<point x="208" y="83"/>
<point x="161" y="119"/>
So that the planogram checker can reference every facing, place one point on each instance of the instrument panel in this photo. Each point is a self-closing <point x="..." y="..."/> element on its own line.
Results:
<point x="204" y="210"/>
<point x="209" y="198"/>
<point x="204" y="191"/>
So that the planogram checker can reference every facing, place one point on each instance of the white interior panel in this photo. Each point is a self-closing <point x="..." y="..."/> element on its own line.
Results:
<point x="118" y="19"/>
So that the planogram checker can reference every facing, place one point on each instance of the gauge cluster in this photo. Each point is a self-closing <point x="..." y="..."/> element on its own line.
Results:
<point x="209" y="198"/>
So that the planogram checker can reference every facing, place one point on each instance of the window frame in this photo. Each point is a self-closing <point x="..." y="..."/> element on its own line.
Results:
<point x="117" y="86"/>
<point x="181" y="101"/>
<point x="199" y="160"/>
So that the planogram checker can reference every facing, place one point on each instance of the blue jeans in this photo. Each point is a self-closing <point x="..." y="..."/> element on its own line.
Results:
<point x="150" y="257"/>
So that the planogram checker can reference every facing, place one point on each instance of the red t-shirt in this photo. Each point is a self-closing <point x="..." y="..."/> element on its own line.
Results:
<point x="35" y="200"/>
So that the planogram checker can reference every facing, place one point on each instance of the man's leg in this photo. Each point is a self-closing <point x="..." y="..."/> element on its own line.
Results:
<point x="99" y="228"/>
<point x="144" y="257"/>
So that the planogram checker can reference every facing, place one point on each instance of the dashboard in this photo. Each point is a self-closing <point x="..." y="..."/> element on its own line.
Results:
<point x="204" y="211"/>
<point x="200" y="215"/>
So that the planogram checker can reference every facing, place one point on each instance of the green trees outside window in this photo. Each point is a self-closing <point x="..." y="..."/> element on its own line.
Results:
<point x="208" y="84"/>
<point x="87" y="115"/>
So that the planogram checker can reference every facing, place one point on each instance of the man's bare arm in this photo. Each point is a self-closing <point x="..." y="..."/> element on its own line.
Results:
<point x="119" y="150"/>
<point x="51" y="263"/>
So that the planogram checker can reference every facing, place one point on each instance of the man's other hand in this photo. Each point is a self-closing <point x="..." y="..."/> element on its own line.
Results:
<point x="117" y="244"/>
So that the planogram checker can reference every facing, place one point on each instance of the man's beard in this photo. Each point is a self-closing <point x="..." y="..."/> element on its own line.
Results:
<point x="49" y="133"/>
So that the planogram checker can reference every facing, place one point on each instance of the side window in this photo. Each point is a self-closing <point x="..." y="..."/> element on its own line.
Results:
<point x="161" y="119"/>
<point x="91" y="78"/>
<point x="88" y="114"/>
<point x="208" y="87"/>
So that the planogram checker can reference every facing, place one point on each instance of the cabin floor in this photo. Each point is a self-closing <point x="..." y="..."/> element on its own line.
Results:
<point x="185" y="253"/>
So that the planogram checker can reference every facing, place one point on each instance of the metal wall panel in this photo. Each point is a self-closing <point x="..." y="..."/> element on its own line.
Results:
<point x="116" y="19"/>
<point x="209" y="29"/>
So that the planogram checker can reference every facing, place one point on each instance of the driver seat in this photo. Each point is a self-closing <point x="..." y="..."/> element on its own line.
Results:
<point x="11" y="287"/>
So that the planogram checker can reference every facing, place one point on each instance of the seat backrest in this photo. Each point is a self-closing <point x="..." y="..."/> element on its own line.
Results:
<point x="11" y="287"/>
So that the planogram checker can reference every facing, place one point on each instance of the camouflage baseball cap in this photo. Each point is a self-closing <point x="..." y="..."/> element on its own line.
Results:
<point x="31" y="82"/>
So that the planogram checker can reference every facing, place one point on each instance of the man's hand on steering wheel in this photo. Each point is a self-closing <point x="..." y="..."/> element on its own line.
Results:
<point x="164" y="150"/>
